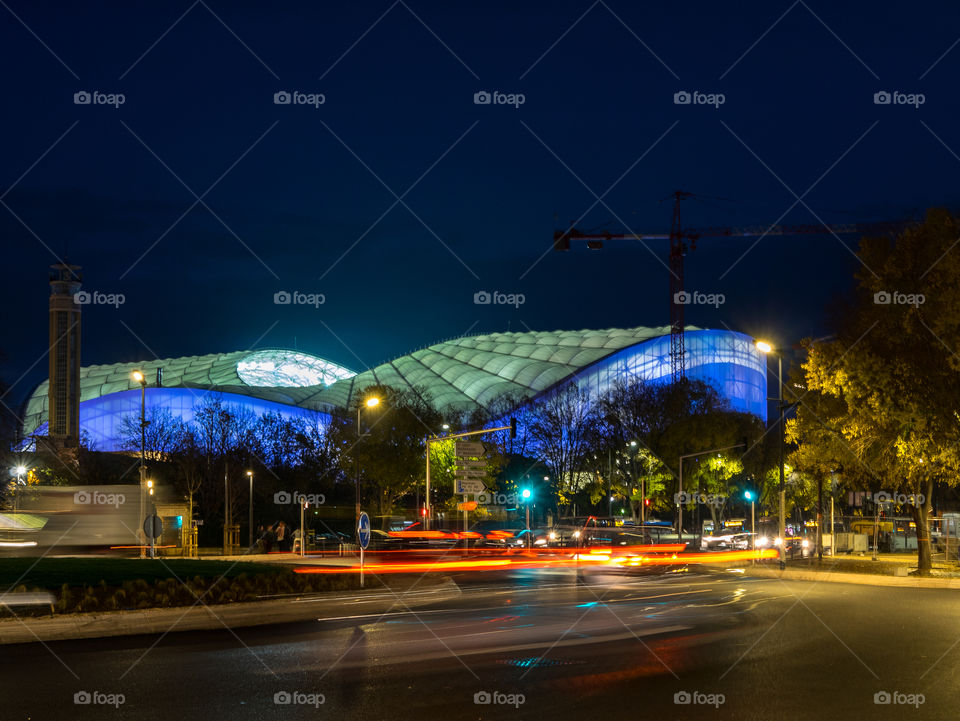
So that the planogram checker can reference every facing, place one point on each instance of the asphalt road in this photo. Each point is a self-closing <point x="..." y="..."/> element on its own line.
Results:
<point x="536" y="645"/>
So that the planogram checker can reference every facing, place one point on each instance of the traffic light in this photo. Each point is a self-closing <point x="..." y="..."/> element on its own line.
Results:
<point x="749" y="495"/>
<point x="513" y="428"/>
<point x="525" y="494"/>
<point x="646" y="502"/>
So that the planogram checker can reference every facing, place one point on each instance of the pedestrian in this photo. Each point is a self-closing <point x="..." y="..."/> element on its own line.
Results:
<point x="283" y="536"/>
<point x="268" y="539"/>
<point x="258" y="544"/>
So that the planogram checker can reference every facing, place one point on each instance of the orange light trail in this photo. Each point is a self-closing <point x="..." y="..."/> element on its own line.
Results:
<point x="531" y="562"/>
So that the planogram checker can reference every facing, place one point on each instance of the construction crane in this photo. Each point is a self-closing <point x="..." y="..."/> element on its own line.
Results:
<point x="684" y="239"/>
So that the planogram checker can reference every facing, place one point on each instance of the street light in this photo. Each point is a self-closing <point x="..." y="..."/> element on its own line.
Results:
<point x="250" y="504"/>
<point x="19" y="471"/>
<point x="140" y="378"/>
<point x="766" y="348"/>
<point x="371" y="402"/>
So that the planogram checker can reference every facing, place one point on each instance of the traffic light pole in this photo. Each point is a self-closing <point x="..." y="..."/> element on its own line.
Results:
<point x="452" y="436"/>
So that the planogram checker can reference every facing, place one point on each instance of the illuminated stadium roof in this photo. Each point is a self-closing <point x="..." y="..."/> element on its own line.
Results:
<point x="473" y="371"/>
<point x="464" y="373"/>
<point x="272" y="374"/>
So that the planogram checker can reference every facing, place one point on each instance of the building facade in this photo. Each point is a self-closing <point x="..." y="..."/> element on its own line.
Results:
<point x="461" y="374"/>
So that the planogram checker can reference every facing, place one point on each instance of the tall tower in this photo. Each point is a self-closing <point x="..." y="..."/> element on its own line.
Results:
<point x="64" y="392"/>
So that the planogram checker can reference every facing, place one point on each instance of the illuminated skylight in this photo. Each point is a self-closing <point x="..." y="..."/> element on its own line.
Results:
<point x="288" y="369"/>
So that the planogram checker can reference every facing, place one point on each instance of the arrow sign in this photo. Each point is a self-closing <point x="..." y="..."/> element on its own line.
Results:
<point x="466" y="449"/>
<point x="464" y="486"/>
<point x="363" y="530"/>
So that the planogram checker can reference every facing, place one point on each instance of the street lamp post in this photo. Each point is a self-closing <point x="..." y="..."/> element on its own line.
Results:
<point x="20" y="471"/>
<point x="140" y="378"/>
<point x="371" y="402"/>
<point x="250" y="504"/>
<point x="767" y="348"/>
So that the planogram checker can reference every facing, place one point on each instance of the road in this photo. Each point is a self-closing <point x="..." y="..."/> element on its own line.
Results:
<point x="543" y="647"/>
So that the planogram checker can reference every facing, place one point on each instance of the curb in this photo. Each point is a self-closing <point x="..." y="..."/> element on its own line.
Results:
<point x="861" y="579"/>
<point x="215" y="617"/>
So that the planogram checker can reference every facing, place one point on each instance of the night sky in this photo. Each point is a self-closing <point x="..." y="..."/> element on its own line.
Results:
<point x="302" y="198"/>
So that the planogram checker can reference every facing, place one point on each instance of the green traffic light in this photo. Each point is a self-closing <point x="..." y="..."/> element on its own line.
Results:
<point x="748" y="495"/>
<point x="525" y="493"/>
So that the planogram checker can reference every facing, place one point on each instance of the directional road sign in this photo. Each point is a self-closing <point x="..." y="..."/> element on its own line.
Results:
<point x="470" y="473"/>
<point x="469" y="486"/>
<point x="468" y="449"/>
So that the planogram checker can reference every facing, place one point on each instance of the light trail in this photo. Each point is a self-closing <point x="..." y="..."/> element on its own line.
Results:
<point x="530" y="561"/>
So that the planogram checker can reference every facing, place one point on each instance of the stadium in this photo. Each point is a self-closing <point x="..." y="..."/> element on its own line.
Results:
<point x="463" y="374"/>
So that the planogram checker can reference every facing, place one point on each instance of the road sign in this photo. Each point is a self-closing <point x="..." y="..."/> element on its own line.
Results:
<point x="471" y="463"/>
<point x="470" y="473"/>
<point x="469" y="486"/>
<point x="153" y="526"/>
<point x="363" y="530"/>
<point x="467" y="449"/>
<point x="467" y="506"/>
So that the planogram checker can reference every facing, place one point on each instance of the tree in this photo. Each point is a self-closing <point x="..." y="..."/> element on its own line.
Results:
<point x="647" y="426"/>
<point x="161" y="434"/>
<point x="560" y="427"/>
<point x="388" y="453"/>
<point x="887" y="385"/>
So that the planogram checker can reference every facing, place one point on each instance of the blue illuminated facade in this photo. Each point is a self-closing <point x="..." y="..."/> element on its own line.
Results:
<point x="727" y="361"/>
<point x="461" y="375"/>
<point x="101" y="418"/>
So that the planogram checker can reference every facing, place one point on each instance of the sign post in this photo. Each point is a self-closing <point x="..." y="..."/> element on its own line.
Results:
<point x="470" y="472"/>
<point x="363" y="539"/>
<point x="153" y="529"/>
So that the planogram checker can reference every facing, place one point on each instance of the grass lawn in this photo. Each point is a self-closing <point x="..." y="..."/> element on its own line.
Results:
<point x="52" y="573"/>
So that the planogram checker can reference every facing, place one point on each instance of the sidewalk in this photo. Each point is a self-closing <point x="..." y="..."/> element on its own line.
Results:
<point x="888" y="570"/>
<point x="306" y="607"/>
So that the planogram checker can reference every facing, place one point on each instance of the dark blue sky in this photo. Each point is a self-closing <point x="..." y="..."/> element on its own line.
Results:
<point x="301" y="197"/>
